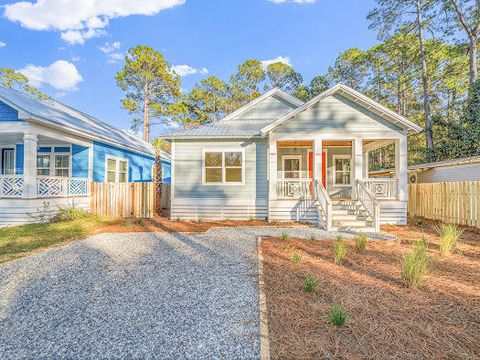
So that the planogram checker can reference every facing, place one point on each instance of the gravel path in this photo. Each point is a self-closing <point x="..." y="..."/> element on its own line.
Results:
<point x="142" y="295"/>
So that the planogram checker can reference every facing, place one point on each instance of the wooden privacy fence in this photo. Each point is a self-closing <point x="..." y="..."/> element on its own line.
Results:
<point x="449" y="202"/>
<point x="122" y="199"/>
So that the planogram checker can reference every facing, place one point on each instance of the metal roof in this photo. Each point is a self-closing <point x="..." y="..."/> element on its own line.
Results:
<point x="453" y="162"/>
<point x="54" y="113"/>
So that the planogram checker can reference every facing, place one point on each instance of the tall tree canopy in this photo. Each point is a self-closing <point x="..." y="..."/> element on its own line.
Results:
<point x="151" y="86"/>
<point x="283" y="76"/>
<point x="12" y="79"/>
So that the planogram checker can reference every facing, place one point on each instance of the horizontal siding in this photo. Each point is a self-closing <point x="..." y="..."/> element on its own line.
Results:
<point x="271" y="108"/>
<point x="7" y="113"/>
<point x="292" y="210"/>
<point x="339" y="115"/>
<point x="16" y="211"/>
<point x="467" y="172"/>
<point x="188" y="170"/>
<point x="393" y="212"/>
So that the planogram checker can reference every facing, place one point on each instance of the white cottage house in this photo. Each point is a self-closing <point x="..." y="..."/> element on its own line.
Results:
<point x="50" y="153"/>
<point x="280" y="159"/>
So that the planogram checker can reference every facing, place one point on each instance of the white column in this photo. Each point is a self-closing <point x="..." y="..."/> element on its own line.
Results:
<point x="357" y="162"/>
<point x="317" y="159"/>
<point x="272" y="166"/>
<point x="365" y="164"/>
<point x="401" y="168"/>
<point x="30" y="165"/>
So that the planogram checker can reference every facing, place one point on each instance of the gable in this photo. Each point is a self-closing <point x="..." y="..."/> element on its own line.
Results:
<point x="270" y="108"/>
<point x="7" y="113"/>
<point x="339" y="115"/>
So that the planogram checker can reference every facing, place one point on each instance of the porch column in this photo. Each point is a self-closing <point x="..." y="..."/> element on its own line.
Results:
<point x="365" y="164"/>
<point x="30" y="165"/>
<point x="272" y="166"/>
<point x="401" y="171"/>
<point x="357" y="162"/>
<point x="317" y="160"/>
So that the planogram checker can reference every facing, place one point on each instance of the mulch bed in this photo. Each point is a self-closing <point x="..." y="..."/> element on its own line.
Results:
<point x="439" y="320"/>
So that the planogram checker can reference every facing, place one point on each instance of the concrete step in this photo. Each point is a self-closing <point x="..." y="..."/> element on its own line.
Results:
<point x="355" y="223"/>
<point x="360" y="212"/>
<point x="354" y="229"/>
<point x="346" y="216"/>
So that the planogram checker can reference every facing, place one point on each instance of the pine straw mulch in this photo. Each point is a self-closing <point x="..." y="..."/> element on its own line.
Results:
<point x="439" y="320"/>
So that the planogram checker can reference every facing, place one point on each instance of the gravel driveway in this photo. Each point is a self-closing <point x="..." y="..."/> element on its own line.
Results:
<point x="143" y="295"/>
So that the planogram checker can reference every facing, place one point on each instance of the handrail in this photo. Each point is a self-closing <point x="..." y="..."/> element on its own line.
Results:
<point x="321" y="195"/>
<point x="369" y="201"/>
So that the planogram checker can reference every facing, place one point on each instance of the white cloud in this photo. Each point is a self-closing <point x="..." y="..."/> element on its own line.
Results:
<point x="283" y="59"/>
<point x="185" y="70"/>
<point x="61" y="75"/>
<point x="79" y="20"/>
<point x="2" y="44"/>
<point x="293" y="1"/>
<point x="112" y="51"/>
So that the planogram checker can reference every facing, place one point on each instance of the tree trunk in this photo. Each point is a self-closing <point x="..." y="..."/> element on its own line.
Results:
<point x="146" y="115"/>
<point x="473" y="60"/>
<point x="426" y="99"/>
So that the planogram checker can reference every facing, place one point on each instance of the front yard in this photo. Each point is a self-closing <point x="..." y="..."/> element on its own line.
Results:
<point x="385" y="319"/>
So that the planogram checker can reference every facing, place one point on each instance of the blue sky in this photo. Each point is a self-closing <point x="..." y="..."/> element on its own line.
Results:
<point x="73" y="51"/>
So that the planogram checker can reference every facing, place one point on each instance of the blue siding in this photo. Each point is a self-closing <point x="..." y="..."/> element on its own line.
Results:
<point x="19" y="159"/>
<point x="62" y="149"/>
<point x="7" y="113"/>
<point x="166" y="172"/>
<point x="44" y="149"/>
<point x="79" y="161"/>
<point x="139" y="165"/>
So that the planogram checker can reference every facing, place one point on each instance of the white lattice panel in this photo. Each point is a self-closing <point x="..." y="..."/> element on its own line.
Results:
<point x="11" y="186"/>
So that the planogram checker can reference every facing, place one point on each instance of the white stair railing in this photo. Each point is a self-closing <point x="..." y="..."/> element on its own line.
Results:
<point x="320" y="194"/>
<point x="369" y="202"/>
<point x="11" y="186"/>
<point x="293" y="188"/>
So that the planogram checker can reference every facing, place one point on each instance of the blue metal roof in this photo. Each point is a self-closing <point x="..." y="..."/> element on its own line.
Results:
<point x="52" y="112"/>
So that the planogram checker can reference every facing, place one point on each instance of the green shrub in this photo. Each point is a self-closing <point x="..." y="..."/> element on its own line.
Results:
<point x="415" y="265"/>
<point x="361" y="242"/>
<point x="284" y="236"/>
<point x="419" y="222"/>
<point x="338" y="315"/>
<point x="449" y="236"/>
<point x="69" y="214"/>
<point x="339" y="250"/>
<point x="310" y="284"/>
<point x="296" y="258"/>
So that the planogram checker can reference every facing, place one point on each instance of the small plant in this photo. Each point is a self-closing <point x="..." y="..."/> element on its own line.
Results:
<point x="338" y="315"/>
<point x="43" y="214"/>
<point x="69" y="214"/>
<point x="339" y="250"/>
<point x="312" y="237"/>
<point x="361" y="242"/>
<point x="284" y="236"/>
<point x="310" y="284"/>
<point x="415" y="265"/>
<point x="296" y="258"/>
<point x="449" y="236"/>
<point x="138" y="221"/>
<point x="177" y="219"/>
<point x="419" y="222"/>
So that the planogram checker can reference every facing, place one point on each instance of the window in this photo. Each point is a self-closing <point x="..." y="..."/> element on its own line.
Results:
<point x="342" y="169"/>
<point x="8" y="161"/>
<point x="292" y="166"/>
<point x="53" y="161"/>
<point x="116" y="169"/>
<point x="43" y="165"/>
<point x="223" y="167"/>
<point x="62" y="165"/>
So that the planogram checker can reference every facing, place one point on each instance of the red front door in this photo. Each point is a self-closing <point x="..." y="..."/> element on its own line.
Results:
<point x="324" y="166"/>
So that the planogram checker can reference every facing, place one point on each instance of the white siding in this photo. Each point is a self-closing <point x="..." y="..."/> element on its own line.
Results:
<point x="271" y="108"/>
<point x="467" y="172"/>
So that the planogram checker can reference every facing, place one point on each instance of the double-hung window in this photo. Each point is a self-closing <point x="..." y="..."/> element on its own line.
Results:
<point x="43" y="164"/>
<point x="62" y="165"/>
<point x="53" y="161"/>
<point x="342" y="165"/>
<point x="116" y="169"/>
<point x="223" y="167"/>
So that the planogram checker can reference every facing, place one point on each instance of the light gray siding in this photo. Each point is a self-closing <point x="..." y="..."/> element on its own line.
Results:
<point x="271" y="108"/>
<point x="339" y="115"/>
<point x="467" y="172"/>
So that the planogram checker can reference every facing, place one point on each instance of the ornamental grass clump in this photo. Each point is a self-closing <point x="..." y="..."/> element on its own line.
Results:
<point x="339" y="250"/>
<point x="415" y="265"/>
<point x="310" y="284"/>
<point x="449" y="236"/>
<point x="361" y="242"/>
<point x="296" y="258"/>
<point x="337" y="315"/>
<point x="284" y="236"/>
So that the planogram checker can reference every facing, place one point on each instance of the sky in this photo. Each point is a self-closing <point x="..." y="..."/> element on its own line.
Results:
<point x="72" y="49"/>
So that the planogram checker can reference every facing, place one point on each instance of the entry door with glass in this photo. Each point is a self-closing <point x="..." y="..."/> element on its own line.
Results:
<point x="8" y="162"/>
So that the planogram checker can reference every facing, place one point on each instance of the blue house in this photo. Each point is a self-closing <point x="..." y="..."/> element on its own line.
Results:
<point x="50" y="152"/>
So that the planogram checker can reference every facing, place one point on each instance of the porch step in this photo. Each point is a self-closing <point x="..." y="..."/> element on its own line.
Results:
<point x="354" y="229"/>
<point x="350" y="216"/>
<point x="354" y="223"/>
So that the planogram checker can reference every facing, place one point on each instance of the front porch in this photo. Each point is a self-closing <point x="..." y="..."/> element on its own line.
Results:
<point x="327" y="182"/>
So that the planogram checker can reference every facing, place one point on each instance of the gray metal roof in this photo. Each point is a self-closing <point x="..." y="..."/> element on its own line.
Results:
<point x="452" y="162"/>
<point x="54" y="113"/>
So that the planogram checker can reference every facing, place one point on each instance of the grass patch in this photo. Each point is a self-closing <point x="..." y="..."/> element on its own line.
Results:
<point x="449" y="235"/>
<point x="296" y="258"/>
<point x="284" y="236"/>
<point x="361" y="242"/>
<point x="415" y="264"/>
<point x="310" y="284"/>
<point x="339" y="250"/>
<point x="18" y="241"/>
<point x="337" y="315"/>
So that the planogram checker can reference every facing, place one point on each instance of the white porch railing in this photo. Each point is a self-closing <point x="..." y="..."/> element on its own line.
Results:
<point x="320" y="194"/>
<point x="60" y="186"/>
<point x="11" y="186"/>
<point x="382" y="188"/>
<point x="370" y="203"/>
<point x="294" y="188"/>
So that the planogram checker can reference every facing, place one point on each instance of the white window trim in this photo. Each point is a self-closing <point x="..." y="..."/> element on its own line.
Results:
<point x="223" y="151"/>
<point x="9" y="147"/>
<point x="52" y="154"/>
<point x="117" y="168"/>
<point x="334" y="157"/>
<point x="293" y="157"/>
